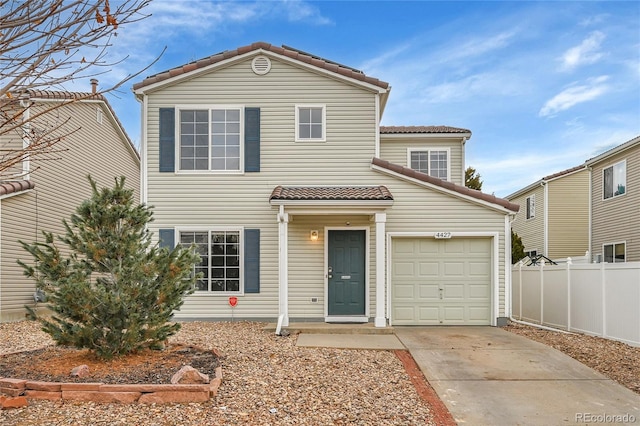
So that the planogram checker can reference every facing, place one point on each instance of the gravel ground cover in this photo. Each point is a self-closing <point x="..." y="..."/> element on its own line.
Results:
<point x="267" y="381"/>
<point x="616" y="360"/>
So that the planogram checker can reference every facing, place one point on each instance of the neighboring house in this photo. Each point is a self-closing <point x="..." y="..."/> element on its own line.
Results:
<point x="273" y="163"/>
<point x="43" y="193"/>
<point x="615" y="203"/>
<point x="554" y="217"/>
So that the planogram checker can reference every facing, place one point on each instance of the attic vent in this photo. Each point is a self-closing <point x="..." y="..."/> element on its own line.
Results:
<point x="261" y="65"/>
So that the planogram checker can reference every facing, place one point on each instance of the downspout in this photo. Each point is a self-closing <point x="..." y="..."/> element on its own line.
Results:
<point x="590" y="225"/>
<point x="546" y="218"/>
<point x="26" y="141"/>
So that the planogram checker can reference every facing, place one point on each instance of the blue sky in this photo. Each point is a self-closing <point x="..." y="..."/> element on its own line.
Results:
<point x="543" y="86"/>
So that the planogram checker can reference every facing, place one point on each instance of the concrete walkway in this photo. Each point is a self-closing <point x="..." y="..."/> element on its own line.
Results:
<point x="488" y="376"/>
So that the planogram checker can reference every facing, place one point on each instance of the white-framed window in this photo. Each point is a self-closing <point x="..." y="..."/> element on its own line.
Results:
<point x="221" y="260"/>
<point x="615" y="180"/>
<point x="99" y="115"/>
<point x="531" y="253"/>
<point x="311" y="122"/>
<point x="432" y="161"/>
<point x="615" y="252"/>
<point x="210" y="138"/>
<point x="531" y="206"/>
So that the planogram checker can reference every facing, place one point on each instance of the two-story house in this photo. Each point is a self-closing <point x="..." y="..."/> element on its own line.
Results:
<point x="273" y="163"/>
<point x="554" y="218"/>
<point x="615" y="203"/>
<point x="36" y="195"/>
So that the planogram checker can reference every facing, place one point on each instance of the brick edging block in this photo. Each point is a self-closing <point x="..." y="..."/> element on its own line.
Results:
<point x="105" y="393"/>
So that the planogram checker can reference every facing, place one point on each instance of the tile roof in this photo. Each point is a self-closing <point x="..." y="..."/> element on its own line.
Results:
<point x="389" y="130"/>
<point x="284" y="51"/>
<point x="564" y="172"/>
<point x="351" y="193"/>
<point x="411" y="173"/>
<point x="13" y="186"/>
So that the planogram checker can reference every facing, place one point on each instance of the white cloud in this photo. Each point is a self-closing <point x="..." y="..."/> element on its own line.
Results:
<point x="587" y="52"/>
<point x="574" y="95"/>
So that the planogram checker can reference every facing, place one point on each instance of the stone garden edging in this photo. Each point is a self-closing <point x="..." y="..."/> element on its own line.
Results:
<point x="106" y="393"/>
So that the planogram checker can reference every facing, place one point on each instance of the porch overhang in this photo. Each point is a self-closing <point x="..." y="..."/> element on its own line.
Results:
<point x="372" y="201"/>
<point x="332" y="199"/>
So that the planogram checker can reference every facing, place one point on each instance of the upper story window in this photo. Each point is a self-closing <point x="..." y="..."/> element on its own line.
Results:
<point x="615" y="180"/>
<point x="210" y="139"/>
<point x="310" y="123"/>
<point x="531" y="207"/>
<point x="434" y="162"/>
<point x="614" y="253"/>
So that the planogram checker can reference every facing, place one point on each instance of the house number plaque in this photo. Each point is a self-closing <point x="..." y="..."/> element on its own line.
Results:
<point x="442" y="235"/>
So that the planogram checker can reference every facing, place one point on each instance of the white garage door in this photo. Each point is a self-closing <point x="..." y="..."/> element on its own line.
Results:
<point x="444" y="281"/>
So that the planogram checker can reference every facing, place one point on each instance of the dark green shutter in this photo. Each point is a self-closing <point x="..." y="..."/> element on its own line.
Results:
<point x="251" y="139"/>
<point x="167" y="139"/>
<point x="252" y="261"/>
<point x="167" y="238"/>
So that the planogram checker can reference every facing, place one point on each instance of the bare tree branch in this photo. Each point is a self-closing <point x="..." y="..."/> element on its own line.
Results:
<point x="45" y="44"/>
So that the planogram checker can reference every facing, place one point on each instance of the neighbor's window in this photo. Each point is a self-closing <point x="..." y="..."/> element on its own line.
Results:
<point x="615" y="180"/>
<point x="210" y="139"/>
<point x="434" y="162"/>
<point x="220" y="259"/>
<point x="531" y="207"/>
<point x="615" y="253"/>
<point x="310" y="123"/>
<point x="531" y="254"/>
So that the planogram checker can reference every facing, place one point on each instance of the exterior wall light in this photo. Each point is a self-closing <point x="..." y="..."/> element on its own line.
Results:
<point x="314" y="235"/>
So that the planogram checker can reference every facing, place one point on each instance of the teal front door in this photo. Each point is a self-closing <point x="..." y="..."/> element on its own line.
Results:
<point x="346" y="273"/>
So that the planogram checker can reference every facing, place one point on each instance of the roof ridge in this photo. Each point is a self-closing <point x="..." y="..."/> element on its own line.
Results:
<point x="289" y="52"/>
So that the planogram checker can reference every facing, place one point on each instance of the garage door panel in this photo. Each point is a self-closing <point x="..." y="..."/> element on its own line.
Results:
<point x="428" y="314"/>
<point x="453" y="269"/>
<point x="405" y="292"/>
<point x="451" y="281"/>
<point x="429" y="269"/>
<point x="428" y="292"/>
<point x="404" y="269"/>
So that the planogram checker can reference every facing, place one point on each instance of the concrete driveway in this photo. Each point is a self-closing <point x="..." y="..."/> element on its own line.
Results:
<point x="488" y="376"/>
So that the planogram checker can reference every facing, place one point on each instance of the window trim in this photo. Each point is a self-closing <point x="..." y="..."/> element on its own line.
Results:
<point x="208" y="107"/>
<point x="530" y="213"/>
<point x="612" y="166"/>
<point x="613" y="245"/>
<point x="324" y="123"/>
<point x="241" y="266"/>
<point x="411" y="150"/>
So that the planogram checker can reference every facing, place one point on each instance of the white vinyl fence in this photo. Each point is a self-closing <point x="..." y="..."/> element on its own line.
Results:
<point x="601" y="299"/>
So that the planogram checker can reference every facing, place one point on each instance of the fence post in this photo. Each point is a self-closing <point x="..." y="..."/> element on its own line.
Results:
<point x="568" y="294"/>
<point x="520" y="284"/>
<point x="604" y="300"/>
<point x="541" y="291"/>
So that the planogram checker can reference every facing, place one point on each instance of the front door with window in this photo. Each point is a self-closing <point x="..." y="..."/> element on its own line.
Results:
<point x="346" y="273"/>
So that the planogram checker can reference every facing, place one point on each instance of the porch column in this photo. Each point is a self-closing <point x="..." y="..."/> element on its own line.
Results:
<point x="283" y="265"/>
<point x="381" y="219"/>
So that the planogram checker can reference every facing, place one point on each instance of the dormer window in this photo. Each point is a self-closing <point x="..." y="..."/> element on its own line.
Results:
<point x="432" y="161"/>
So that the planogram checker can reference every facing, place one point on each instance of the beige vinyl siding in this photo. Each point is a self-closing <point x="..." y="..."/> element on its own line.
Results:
<point x="60" y="186"/>
<point x="395" y="151"/>
<point x="417" y="209"/>
<point x="617" y="219"/>
<point x="530" y="230"/>
<point x="208" y="200"/>
<point x="568" y="209"/>
<point x="8" y="144"/>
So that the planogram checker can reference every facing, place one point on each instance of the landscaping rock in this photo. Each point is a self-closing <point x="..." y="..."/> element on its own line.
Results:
<point x="80" y="371"/>
<point x="189" y="375"/>
<point x="17" y="402"/>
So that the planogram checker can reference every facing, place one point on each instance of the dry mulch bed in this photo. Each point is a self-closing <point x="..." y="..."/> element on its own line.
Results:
<point x="54" y="363"/>
<point x="268" y="380"/>
<point x="616" y="360"/>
